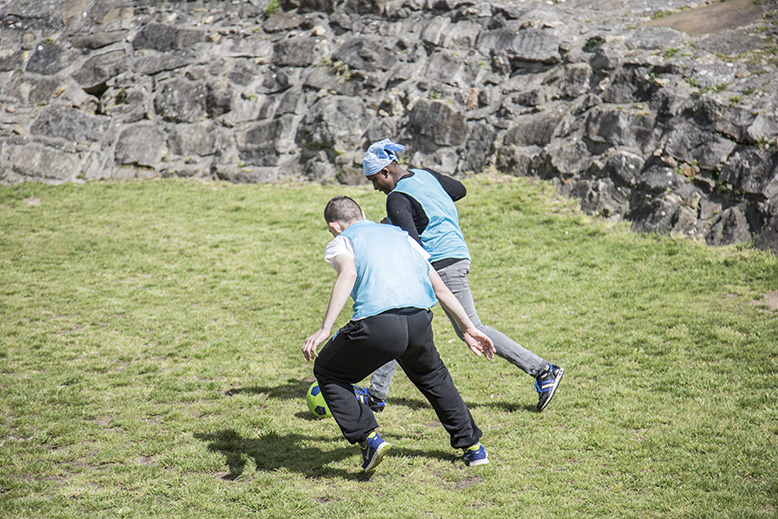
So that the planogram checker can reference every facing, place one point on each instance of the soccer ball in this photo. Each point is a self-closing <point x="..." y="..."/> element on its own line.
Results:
<point x="316" y="402"/>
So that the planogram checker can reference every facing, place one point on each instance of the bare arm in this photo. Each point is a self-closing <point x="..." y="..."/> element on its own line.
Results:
<point x="347" y="276"/>
<point x="474" y="338"/>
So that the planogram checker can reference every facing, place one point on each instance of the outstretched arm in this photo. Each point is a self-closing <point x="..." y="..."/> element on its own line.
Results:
<point x="347" y="275"/>
<point x="474" y="338"/>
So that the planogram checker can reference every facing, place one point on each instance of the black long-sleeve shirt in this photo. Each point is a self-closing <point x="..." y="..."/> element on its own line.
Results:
<point x="406" y="212"/>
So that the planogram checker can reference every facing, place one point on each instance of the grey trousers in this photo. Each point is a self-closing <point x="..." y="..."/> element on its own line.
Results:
<point x="455" y="278"/>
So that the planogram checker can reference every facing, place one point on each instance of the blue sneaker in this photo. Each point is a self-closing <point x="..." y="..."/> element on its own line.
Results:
<point x="546" y="384"/>
<point x="364" y="396"/>
<point x="373" y="451"/>
<point x="476" y="455"/>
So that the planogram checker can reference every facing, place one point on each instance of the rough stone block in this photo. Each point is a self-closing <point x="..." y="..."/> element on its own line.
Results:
<point x="97" y="40"/>
<point x="98" y="69"/>
<point x="362" y="53"/>
<point x="623" y="167"/>
<point x="258" y="145"/>
<point x="767" y="239"/>
<point x="201" y="139"/>
<point x="47" y="59"/>
<point x="140" y="145"/>
<point x="528" y="45"/>
<point x="621" y="127"/>
<point x="752" y="171"/>
<point x="690" y="144"/>
<point x="605" y="198"/>
<point x="728" y="228"/>
<point x="70" y="124"/>
<point x="517" y="161"/>
<point x="365" y="6"/>
<point x="316" y="6"/>
<point x="165" y="38"/>
<point x="535" y="129"/>
<point x="41" y="162"/>
<point x="439" y="121"/>
<point x="182" y="101"/>
<point x="334" y="123"/>
<point x="296" y="52"/>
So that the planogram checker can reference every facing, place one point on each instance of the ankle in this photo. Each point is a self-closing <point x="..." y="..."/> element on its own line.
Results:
<point x="363" y="441"/>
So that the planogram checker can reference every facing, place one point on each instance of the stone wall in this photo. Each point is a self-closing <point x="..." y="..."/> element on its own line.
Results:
<point x="675" y="132"/>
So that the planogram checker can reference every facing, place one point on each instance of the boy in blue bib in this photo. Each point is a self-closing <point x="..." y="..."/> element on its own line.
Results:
<point x="393" y="288"/>
<point x="422" y="203"/>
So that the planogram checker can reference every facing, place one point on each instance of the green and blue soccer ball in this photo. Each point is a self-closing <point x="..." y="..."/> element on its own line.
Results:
<point x="316" y="402"/>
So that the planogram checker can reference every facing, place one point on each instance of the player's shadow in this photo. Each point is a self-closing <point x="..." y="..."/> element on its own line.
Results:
<point x="272" y="451"/>
<point x="418" y="403"/>
<point x="293" y="389"/>
<point x="400" y="448"/>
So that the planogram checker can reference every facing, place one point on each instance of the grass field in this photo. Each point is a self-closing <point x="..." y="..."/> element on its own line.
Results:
<point x="150" y="363"/>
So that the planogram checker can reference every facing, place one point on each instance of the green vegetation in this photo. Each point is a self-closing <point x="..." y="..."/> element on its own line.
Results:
<point x="720" y="87"/>
<point x="151" y="367"/>
<point x="717" y="88"/>
<point x="766" y="55"/>
<point x="763" y="142"/>
<point x="592" y="44"/>
<point x="664" y="13"/>
<point x="121" y="96"/>
<point x="341" y="70"/>
<point x="272" y="7"/>
<point x="669" y="53"/>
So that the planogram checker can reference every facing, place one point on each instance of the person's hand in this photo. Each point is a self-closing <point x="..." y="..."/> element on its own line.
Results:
<point x="479" y="343"/>
<point x="310" y="344"/>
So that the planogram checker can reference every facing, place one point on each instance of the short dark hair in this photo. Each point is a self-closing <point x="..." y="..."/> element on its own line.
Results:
<point x="342" y="209"/>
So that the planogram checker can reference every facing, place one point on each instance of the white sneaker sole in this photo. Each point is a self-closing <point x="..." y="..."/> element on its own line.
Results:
<point x="475" y="463"/>
<point x="378" y="456"/>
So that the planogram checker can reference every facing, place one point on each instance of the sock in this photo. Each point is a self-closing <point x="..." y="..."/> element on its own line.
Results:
<point x="363" y="443"/>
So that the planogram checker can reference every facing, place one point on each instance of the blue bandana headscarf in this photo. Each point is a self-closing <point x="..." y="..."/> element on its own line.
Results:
<point x="379" y="155"/>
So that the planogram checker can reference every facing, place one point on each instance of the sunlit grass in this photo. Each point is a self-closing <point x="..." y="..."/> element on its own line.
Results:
<point x="150" y="363"/>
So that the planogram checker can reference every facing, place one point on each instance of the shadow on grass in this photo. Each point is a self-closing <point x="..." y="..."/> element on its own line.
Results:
<point x="293" y="389"/>
<point x="414" y="404"/>
<point x="273" y="451"/>
<point x="448" y="456"/>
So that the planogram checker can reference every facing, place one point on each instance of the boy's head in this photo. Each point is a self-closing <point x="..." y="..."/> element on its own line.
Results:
<point x="379" y="155"/>
<point x="380" y="165"/>
<point x="340" y="212"/>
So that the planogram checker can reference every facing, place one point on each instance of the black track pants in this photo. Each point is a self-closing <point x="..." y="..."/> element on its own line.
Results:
<point x="360" y="347"/>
